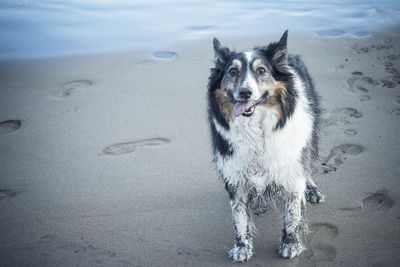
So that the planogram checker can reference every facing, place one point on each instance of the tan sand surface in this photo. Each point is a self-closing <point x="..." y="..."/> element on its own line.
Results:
<point x="106" y="159"/>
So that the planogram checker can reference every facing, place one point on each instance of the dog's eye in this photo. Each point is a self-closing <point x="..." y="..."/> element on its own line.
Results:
<point x="233" y="72"/>
<point x="261" y="71"/>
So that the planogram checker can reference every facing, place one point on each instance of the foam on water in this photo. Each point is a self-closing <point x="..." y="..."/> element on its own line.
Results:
<point x="43" y="28"/>
<point x="164" y="55"/>
<point x="331" y="33"/>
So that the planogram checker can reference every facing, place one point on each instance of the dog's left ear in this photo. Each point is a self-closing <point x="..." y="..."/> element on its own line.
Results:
<point x="279" y="52"/>
<point x="282" y="44"/>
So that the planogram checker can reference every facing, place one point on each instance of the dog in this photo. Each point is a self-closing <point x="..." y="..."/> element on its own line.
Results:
<point x="264" y="118"/>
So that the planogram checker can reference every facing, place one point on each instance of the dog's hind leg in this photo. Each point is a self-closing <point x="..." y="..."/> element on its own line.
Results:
<point x="294" y="224"/>
<point x="312" y="193"/>
<point x="244" y="228"/>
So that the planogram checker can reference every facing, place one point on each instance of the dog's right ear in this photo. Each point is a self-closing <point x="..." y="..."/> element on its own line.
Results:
<point x="220" y="53"/>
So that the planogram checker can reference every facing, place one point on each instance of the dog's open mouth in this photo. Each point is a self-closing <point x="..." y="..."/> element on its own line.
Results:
<point x="247" y="108"/>
<point x="243" y="108"/>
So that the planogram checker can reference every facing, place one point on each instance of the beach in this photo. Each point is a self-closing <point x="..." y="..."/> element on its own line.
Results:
<point x="106" y="158"/>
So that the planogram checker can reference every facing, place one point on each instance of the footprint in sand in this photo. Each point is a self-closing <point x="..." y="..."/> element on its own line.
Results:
<point x="379" y="201"/>
<point x="396" y="110"/>
<point x="5" y="193"/>
<point x="318" y="250"/>
<point x="351" y="209"/>
<point x="323" y="230"/>
<point x="62" y="252"/>
<point x="338" y="155"/>
<point x="386" y="45"/>
<point x="68" y="87"/>
<point x="392" y="69"/>
<point x="341" y="116"/>
<point x="360" y="85"/>
<point x="129" y="147"/>
<point x="9" y="126"/>
<point x="350" y="132"/>
<point x="388" y="82"/>
<point x="322" y="252"/>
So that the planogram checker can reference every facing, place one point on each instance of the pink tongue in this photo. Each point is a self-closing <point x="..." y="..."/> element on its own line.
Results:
<point x="240" y="107"/>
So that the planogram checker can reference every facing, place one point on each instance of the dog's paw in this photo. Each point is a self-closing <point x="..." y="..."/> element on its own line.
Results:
<point x="240" y="254"/>
<point x="313" y="195"/>
<point x="290" y="250"/>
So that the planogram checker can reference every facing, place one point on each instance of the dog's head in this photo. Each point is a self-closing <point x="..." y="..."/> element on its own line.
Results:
<point x="252" y="77"/>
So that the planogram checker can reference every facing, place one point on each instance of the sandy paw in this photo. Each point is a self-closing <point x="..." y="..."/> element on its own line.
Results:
<point x="313" y="195"/>
<point x="9" y="126"/>
<point x="290" y="250"/>
<point x="129" y="147"/>
<point x="69" y="87"/>
<point x="240" y="254"/>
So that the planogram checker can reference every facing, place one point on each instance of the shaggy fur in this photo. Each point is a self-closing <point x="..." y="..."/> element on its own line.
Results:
<point x="265" y="151"/>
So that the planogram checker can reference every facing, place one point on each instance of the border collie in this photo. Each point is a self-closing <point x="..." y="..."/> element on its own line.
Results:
<point x="264" y="117"/>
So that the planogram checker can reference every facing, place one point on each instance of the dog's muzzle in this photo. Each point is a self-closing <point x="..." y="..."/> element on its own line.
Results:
<point x="246" y="108"/>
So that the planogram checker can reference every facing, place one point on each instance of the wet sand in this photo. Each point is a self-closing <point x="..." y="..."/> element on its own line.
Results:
<point x="106" y="159"/>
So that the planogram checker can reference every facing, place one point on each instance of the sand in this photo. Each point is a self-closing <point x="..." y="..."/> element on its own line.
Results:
<point x="105" y="159"/>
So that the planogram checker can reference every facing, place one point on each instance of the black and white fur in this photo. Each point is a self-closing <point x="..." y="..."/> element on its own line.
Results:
<point x="268" y="151"/>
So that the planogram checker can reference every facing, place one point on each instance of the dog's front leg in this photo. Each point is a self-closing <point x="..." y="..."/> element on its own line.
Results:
<point x="291" y="244"/>
<point x="243" y="248"/>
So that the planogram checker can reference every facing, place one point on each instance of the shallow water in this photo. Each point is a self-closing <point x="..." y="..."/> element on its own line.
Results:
<point x="41" y="28"/>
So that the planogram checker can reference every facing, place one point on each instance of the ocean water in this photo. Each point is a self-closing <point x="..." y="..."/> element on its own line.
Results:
<point x="45" y="28"/>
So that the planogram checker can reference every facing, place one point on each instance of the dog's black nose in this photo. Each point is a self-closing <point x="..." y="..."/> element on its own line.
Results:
<point x="244" y="93"/>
